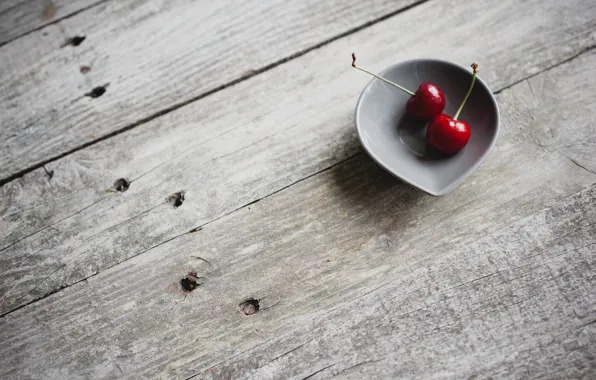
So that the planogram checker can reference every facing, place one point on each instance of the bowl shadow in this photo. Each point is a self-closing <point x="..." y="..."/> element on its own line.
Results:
<point x="371" y="196"/>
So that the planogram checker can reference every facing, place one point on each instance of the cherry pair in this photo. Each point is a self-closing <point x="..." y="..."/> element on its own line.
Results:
<point x="445" y="133"/>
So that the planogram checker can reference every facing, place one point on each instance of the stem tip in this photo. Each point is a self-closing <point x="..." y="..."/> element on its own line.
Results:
<point x="475" y="71"/>
<point x="381" y="78"/>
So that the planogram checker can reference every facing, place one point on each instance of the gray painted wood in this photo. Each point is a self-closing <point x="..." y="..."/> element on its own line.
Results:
<point x="360" y="274"/>
<point x="68" y="228"/>
<point x="155" y="55"/>
<point x="18" y="17"/>
<point x="519" y="303"/>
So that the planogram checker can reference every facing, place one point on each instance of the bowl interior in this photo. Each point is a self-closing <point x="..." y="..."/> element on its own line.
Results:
<point x="398" y="143"/>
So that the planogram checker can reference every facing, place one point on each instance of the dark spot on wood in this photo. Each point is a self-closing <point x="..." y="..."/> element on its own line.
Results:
<point x="85" y="69"/>
<point x="249" y="73"/>
<point x="121" y="185"/>
<point x="196" y="229"/>
<point x="49" y="10"/>
<point x="202" y="259"/>
<point x="175" y="200"/>
<point x="44" y="34"/>
<point x="77" y="40"/>
<point x="328" y="260"/>
<point x="97" y="91"/>
<point x="190" y="282"/>
<point x="49" y="173"/>
<point x="73" y="41"/>
<point x="249" y="306"/>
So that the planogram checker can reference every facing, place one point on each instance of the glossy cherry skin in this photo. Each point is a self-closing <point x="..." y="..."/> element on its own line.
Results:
<point x="447" y="135"/>
<point x="428" y="102"/>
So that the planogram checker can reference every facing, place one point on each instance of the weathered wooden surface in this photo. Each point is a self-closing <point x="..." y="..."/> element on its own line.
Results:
<point x="518" y="303"/>
<point x="18" y="17"/>
<point x="155" y="55"/>
<point x="68" y="228"/>
<point x="362" y="275"/>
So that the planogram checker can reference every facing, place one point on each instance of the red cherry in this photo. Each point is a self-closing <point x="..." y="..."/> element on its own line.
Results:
<point x="428" y="102"/>
<point x="448" y="135"/>
<point x="425" y="104"/>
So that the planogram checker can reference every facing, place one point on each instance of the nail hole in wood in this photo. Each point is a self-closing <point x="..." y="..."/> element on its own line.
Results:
<point x="121" y="185"/>
<point x="175" y="200"/>
<point x="249" y="306"/>
<point x="189" y="282"/>
<point x="74" y="41"/>
<point x="85" y="69"/>
<point x="97" y="91"/>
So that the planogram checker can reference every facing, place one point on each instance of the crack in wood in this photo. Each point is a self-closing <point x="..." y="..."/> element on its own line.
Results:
<point x="53" y="224"/>
<point x="360" y="364"/>
<point x="559" y="63"/>
<point x="319" y="371"/>
<point x="285" y="354"/>
<point x="578" y="164"/>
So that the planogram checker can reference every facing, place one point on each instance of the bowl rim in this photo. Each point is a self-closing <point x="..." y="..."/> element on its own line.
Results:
<point x="380" y="162"/>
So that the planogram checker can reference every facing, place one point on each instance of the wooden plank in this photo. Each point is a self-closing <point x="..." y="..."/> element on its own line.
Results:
<point x="19" y="17"/>
<point x="152" y="64"/>
<point x="505" y="263"/>
<point x="519" y="303"/>
<point x="69" y="228"/>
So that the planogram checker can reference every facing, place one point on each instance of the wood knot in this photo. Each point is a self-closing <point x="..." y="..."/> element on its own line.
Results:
<point x="121" y="185"/>
<point x="175" y="200"/>
<point x="73" y="41"/>
<point x="97" y="91"/>
<point x="190" y="282"/>
<point x="249" y="306"/>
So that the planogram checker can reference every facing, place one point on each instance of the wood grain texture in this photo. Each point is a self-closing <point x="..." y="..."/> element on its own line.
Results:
<point x="68" y="228"/>
<point x="519" y="303"/>
<point x="19" y="17"/>
<point x="151" y="62"/>
<point x="357" y="273"/>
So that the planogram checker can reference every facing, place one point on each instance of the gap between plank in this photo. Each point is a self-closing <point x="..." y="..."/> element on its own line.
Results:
<point x="578" y="54"/>
<point x="174" y="107"/>
<point x="52" y="23"/>
<point x="574" y="56"/>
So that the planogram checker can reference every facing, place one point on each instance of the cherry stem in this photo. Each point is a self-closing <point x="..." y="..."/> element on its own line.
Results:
<point x="378" y="77"/>
<point x="475" y="71"/>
